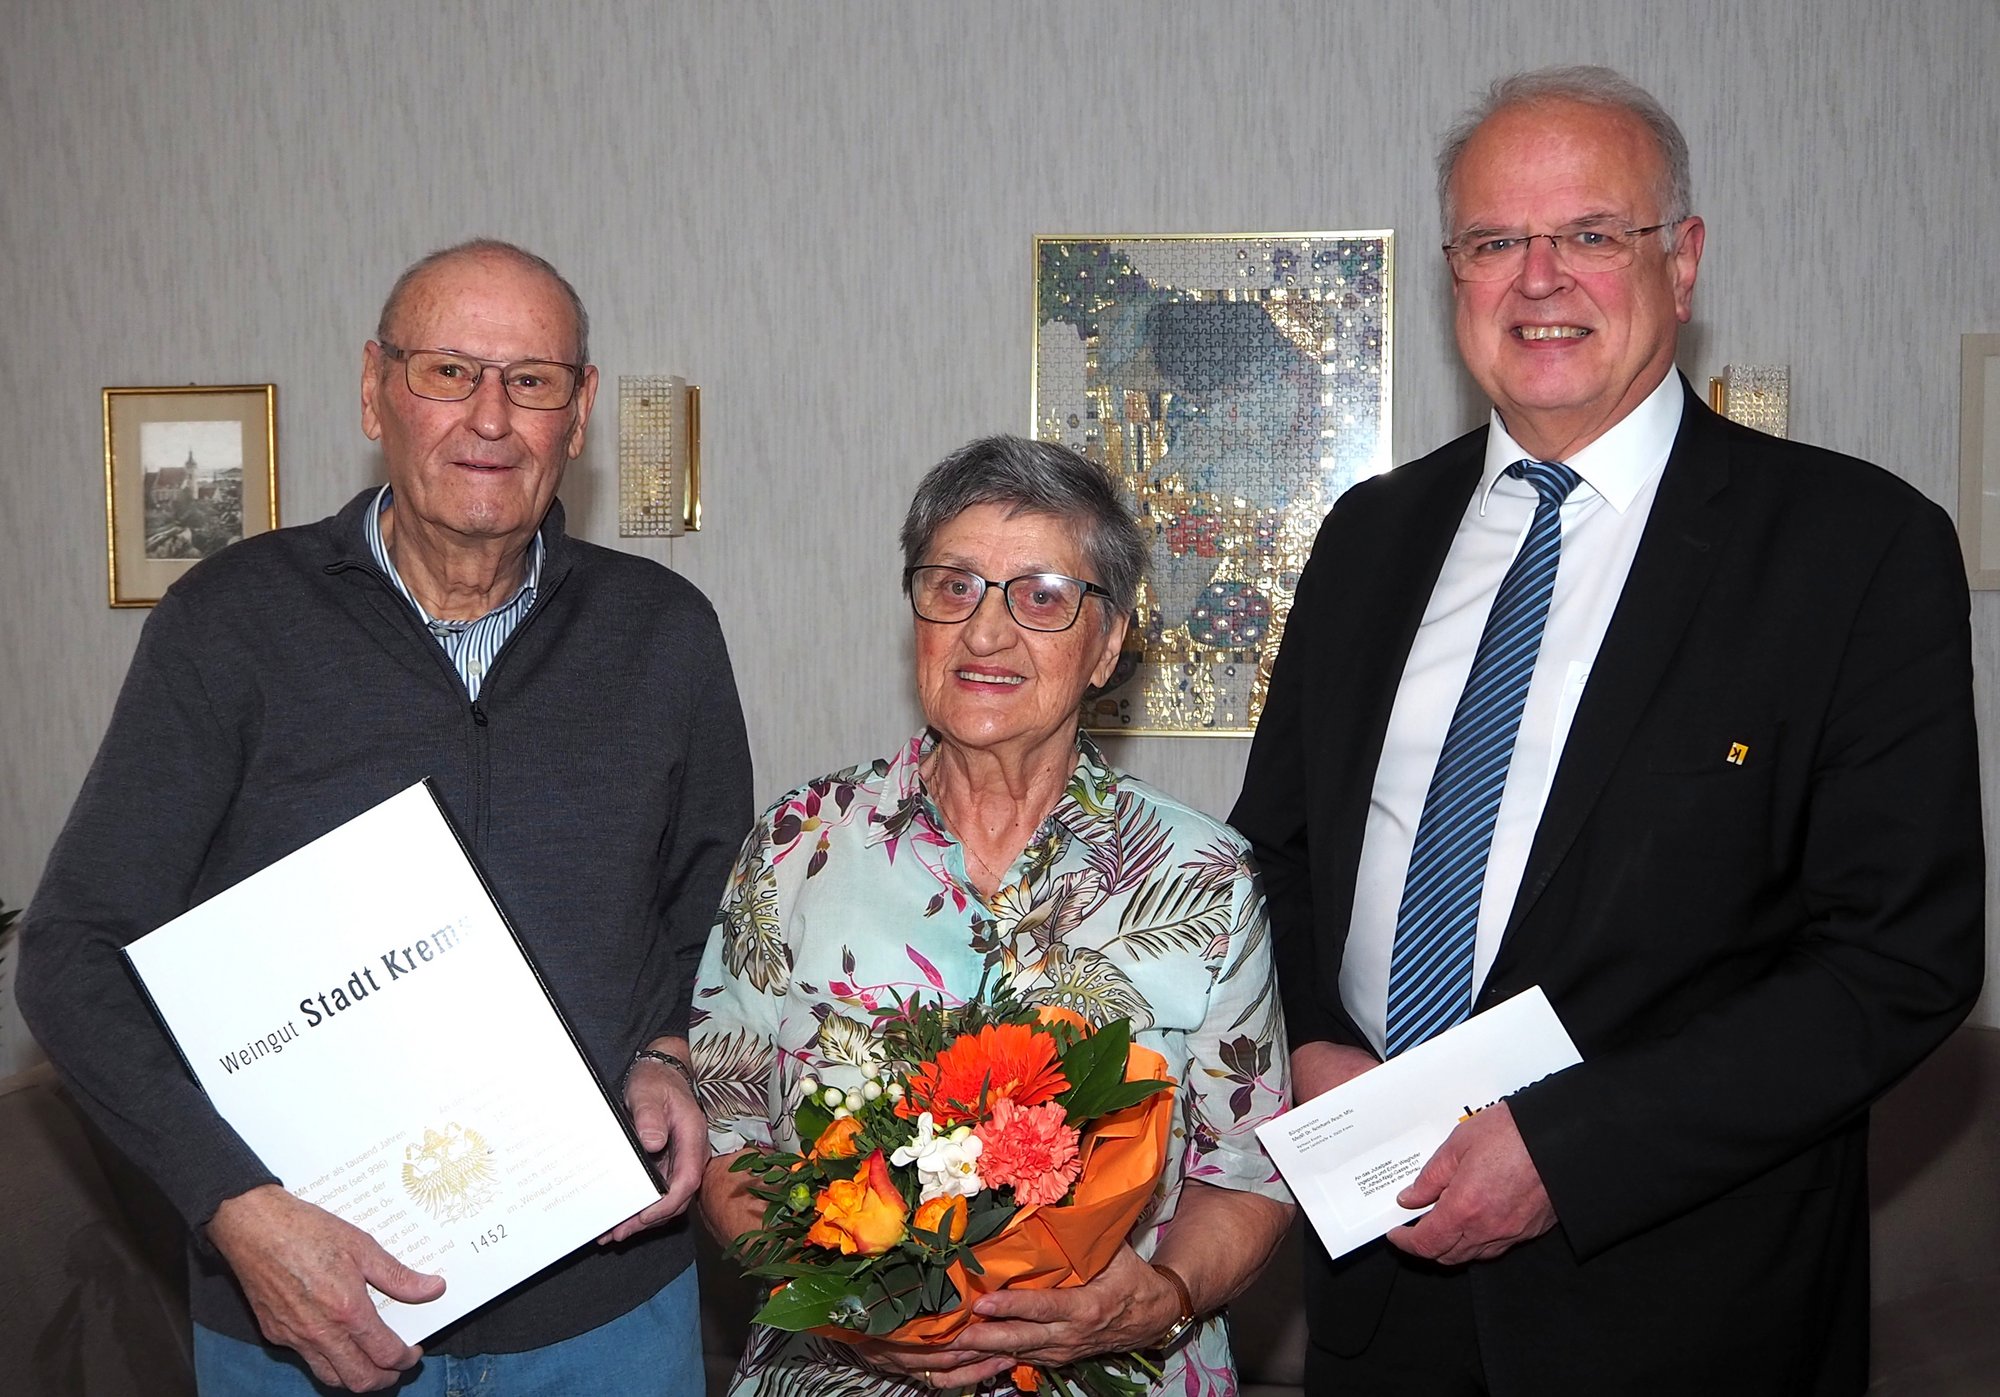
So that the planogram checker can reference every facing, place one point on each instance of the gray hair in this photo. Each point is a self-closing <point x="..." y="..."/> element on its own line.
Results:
<point x="1594" y="87"/>
<point x="1033" y="477"/>
<point x="488" y="247"/>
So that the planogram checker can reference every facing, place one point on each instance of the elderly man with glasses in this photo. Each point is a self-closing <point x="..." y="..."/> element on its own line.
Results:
<point x="574" y="708"/>
<point x="1672" y="719"/>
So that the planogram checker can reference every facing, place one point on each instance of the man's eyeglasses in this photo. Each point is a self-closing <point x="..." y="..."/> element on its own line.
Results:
<point x="1038" y="601"/>
<point x="448" y="377"/>
<point x="1585" y="248"/>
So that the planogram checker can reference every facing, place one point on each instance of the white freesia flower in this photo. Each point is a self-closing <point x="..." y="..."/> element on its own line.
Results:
<point x="947" y="1165"/>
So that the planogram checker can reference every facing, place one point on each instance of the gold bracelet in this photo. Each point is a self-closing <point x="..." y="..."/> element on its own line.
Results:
<point x="1179" y="1328"/>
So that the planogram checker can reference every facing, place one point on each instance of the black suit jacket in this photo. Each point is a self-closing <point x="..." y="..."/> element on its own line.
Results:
<point x="1746" y="954"/>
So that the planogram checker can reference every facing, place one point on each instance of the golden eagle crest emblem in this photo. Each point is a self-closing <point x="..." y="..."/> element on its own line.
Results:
<point x="452" y="1174"/>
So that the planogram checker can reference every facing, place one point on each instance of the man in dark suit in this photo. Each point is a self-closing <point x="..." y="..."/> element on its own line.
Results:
<point x="1732" y="827"/>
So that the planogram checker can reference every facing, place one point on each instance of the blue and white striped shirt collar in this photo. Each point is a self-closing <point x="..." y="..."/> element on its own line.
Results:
<point x="470" y="645"/>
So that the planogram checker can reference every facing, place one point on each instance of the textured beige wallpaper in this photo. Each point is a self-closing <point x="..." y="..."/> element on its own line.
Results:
<point x="823" y="213"/>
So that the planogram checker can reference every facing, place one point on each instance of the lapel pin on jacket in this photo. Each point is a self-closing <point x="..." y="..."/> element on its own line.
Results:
<point x="1737" y="752"/>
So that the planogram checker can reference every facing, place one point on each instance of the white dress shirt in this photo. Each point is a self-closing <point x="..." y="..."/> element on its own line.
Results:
<point x="1601" y="523"/>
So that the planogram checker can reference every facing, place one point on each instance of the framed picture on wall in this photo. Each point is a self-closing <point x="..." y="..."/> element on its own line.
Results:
<point x="1979" y="459"/>
<point x="1234" y="385"/>
<point x="187" y="472"/>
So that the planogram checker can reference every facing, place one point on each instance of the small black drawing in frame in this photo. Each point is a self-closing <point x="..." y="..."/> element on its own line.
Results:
<point x="187" y="472"/>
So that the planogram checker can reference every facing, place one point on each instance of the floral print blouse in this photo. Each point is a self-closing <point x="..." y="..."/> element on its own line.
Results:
<point x="850" y="892"/>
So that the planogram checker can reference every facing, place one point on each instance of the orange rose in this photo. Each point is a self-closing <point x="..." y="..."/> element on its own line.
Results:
<point x="1026" y="1377"/>
<point x="837" y="1140"/>
<point x="863" y="1214"/>
<point x="946" y="1215"/>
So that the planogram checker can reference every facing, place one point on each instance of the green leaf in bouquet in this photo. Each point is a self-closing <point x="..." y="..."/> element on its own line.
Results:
<point x="785" y="1194"/>
<point x="758" y="1251"/>
<point x="898" y="1297"/>
<point x="764" y="1163"/>
<point x="986" y="1217"/>
<point x="811" y="1301"/>
<point x="755" y="1250"/>
<point x="882" y="1129"/>
<point x="1066" y="1034"/>
<point x="810" y="1118"/>
<point x="1123" y="1094"/>
<point x="1095" y="1068"/>
<point x="1095" y="1061"/>
<point x="883" y="1318"/>
<point x="1100" y="1377"/>
<point x="918" y="1031"/>
<point x="780" y="1270"/>
<point x="940" y="1295"/>
<point x="1097" y="1378"/>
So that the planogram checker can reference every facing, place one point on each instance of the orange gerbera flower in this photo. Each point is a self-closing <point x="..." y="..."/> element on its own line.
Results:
<point x="960" y="1085"/>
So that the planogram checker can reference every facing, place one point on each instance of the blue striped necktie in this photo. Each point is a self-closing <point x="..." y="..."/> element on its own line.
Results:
<point x="1430" y="964"/>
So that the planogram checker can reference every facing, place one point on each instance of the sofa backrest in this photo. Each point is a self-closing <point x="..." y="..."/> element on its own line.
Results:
<point x="1934" y="1171"/>
<point x="93" y="1285"/>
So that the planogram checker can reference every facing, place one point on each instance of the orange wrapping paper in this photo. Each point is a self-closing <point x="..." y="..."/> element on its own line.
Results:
<point x="1046" y="1247"/>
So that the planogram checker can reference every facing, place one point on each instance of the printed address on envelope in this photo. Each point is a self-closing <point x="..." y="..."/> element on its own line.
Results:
<point x="1347" y="1154"/>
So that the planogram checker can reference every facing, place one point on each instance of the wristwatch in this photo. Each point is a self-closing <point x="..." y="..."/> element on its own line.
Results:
<point x="1188" y="1318"/>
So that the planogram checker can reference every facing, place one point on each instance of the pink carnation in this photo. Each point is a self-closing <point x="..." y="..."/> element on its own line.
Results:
<point x="1029" y="1149"/>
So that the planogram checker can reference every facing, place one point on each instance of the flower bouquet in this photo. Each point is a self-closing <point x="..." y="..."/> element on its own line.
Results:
<point x="991" y="1145"/>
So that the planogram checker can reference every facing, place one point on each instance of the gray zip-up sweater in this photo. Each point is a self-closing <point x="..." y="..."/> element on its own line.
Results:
<point x="282" y="687"/>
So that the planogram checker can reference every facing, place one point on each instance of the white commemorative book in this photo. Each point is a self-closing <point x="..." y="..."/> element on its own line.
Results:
<point x="365" y="1017"/>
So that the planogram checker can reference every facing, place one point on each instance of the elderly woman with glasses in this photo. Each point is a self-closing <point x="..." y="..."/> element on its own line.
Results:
<point x="999" y="842"/>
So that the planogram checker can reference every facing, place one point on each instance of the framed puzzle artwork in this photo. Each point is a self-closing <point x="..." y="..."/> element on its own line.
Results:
<point x="1234" y="386"/>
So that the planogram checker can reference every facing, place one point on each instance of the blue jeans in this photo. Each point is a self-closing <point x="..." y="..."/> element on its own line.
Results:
<point x="653" y="1350"/>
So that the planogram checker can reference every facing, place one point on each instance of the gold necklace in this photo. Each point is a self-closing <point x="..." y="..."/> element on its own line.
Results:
<point x="928" y="770"/>
<point x="973" y="860"/>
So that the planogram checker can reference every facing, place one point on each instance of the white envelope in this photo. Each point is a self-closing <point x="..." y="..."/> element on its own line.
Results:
<point x="1348" y="1153"/>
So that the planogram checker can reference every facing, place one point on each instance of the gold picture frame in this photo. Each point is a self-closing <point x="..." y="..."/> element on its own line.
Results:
<point x="187" y="471"/>
<point x="1233" y="385"/>
<point x="1979" y="460"/>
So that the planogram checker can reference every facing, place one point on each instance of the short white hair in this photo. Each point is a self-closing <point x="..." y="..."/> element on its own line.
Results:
<point x="1595" y="87"/>
<point x="473" y="248"/>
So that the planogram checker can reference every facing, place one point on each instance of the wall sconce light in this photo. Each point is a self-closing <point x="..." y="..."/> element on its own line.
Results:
<point x="1756" y="395"/>
<point x="659" y="456"/>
